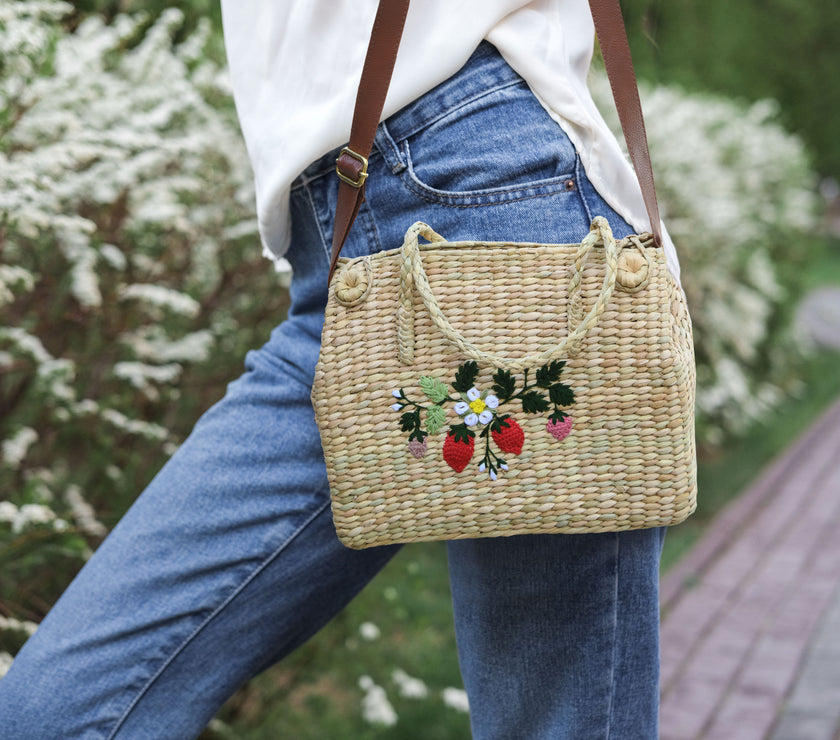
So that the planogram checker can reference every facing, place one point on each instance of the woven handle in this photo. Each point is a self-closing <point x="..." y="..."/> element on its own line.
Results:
<point x="413" y="279"/>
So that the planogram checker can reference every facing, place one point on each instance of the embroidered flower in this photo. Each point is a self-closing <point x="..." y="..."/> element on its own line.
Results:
<point x="477" y="407"/>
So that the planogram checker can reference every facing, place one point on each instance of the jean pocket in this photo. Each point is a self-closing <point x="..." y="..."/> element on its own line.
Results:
<point x="495" y="148"/>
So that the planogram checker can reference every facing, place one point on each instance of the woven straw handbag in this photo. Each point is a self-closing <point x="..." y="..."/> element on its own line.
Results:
<point x="532" y="404"/>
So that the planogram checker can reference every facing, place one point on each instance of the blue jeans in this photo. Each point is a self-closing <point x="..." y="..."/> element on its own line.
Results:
<point x="229" y="560"/>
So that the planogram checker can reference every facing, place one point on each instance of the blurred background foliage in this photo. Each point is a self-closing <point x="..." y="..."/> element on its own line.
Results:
<point x="785" y="50"/>
<point x="131" y="285"/>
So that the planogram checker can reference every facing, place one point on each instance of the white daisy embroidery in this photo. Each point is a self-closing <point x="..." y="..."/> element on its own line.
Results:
<point x="477" y="408"/>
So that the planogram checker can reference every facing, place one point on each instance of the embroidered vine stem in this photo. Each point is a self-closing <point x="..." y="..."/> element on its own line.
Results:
<point x="491" y="461"/>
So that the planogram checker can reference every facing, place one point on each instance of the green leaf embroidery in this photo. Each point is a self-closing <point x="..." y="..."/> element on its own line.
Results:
<point x="434" y="389"/>
<point x="561" y="395"/>
<point x="461" y="432"/>
<point x="410" y="421"/>
<point x="499" y="423"/>
<point x="435" y="418"/>
<point x="558" y="416"/>
<point x="465" y="376"/>
<point x="503" y="385"/>
<point x="534" y="403"/>
<point x="548" y="374"/>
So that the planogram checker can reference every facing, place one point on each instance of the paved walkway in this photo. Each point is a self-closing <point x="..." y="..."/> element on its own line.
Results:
<point x="751" y="616"/>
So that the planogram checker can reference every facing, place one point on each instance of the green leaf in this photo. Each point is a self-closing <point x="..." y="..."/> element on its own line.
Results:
<point x="499" y="423"/>
<point x="418" y="434"/>
<point x="435" y="418"/>
<point x="410" y="421"/>
<point x="434" y="389"/>
<point x="465" y="376"/>
<point x="534" y="402"/>
<point x="503" y="385"/>
<point x="548" y="374"/>
<point x="461" y="432"/>
<point x="561" y="395"/>
<point x="558" y="416"/>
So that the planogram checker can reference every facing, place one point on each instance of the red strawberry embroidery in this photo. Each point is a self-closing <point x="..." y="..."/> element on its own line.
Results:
<point x="509" y="438"/>
<point x="458" y="453"/>
<point x="559" y="429"/>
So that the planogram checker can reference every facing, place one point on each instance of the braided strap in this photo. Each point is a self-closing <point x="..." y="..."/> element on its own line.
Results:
<point x="413" y="279"/>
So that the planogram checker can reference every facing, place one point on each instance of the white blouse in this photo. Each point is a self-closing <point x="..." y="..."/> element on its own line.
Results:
<point x="295" y="68"/>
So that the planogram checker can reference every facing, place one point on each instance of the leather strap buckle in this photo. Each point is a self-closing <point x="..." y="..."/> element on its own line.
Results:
<point x="362" y="174"/>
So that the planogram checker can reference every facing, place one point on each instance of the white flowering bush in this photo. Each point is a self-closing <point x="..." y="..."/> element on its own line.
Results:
<point x="129" y="267"/>
<point x="740" y="202"/>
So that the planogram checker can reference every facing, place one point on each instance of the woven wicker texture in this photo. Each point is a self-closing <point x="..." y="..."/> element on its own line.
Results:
<point x="623" y="459"/>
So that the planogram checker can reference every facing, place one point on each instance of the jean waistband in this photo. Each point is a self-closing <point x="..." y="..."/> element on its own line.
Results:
<point x="485" y="70"/>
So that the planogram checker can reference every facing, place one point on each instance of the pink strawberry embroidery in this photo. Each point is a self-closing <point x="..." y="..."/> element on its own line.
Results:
<point x="457" y="453"/>
<point x="559" y="429"/>
<point x="509" y="438"/>
<point x="418" y="448"/>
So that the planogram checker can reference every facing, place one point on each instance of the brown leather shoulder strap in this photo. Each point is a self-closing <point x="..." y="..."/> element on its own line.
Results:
<point x="376" y="77"/>
<point x="370" y="99"/>
<point x="609" y="25"/>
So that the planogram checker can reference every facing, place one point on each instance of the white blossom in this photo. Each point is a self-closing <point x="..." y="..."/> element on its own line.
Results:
<point x="134" y="426"/>
<point x="456" y="698"/>
<point x="376" y="709"/>
<point x="143" y="376"/>
<point x="14" y="279"/>
<point x="5" y="663"/>
<point x="31" y="514"/>
<point x="15" y="448"/>
<point x="369" y="631"/>
<point x="8" y="511"/>
<point x="159" y="295"/>
<point x="113" y="256"/>
<point x="153" y="345"/>
<point x="25" y="343"/>
<point x="10" y="624"/>
<point x="83" y="512"/>
<point x="410" y="688"/>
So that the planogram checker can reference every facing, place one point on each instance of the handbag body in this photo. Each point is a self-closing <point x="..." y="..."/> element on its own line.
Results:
<point x="480" y="389"/>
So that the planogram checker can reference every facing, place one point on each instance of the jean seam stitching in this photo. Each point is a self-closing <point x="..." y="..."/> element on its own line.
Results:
<point x="317" y="219"/>
<point x="389" y="149"/>
<point x="426" y="122"/>
<point x="218" y="610"/>
<point x="578" y="180"/>
<point x="415" y="184"/>
<point x="370" y="229"/>
<point x="611" y="693"/>
<point x="486" y="203"/>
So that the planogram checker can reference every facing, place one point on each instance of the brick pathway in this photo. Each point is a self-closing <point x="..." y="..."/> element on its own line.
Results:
<point x="751" y="616"/>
